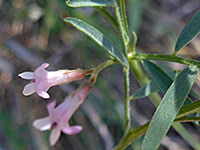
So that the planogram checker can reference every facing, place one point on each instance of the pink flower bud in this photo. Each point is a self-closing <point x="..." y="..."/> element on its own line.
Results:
<point x="42" y="79"/>
<point x="58" y="119"/>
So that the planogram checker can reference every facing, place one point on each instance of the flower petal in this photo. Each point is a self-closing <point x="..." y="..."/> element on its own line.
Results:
<point x="51" y="106"/>
<point x="44" y="65"/>
<point x="29" y="89"/>
<point x="26" y="75"/>
<point x="72" y="130"/>
<point x="43" y="94"/>
<point x="40" y="71"/>
<point x="54" y="136"/>
<point x="43" y="124"/>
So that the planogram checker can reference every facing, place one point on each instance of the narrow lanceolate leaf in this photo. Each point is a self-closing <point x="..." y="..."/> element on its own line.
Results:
<point x="189" y="32"/>
<point x="90" y="3"/>
<point x="137" y="132"/>
<point x="160" y="78"/>
<point x="150" y="87"/>
<point x="145" y="90"/>
<point x="98" y="37"/>
<point x="189" y="109"/>
<point x="169" y="108"/>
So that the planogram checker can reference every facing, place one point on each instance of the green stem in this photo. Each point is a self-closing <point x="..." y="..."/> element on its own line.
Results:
<point x="125" y="24"/>
<point x="123" y="12"/>
<point x="108" y="17"/>
<point x="170" y="58"/>
<point x="126" y="100"/>
<point x="121" y="27"/>
<point x="100" y="67"/>
<point x="124" y="35"/>
<point x="138" y="71"/>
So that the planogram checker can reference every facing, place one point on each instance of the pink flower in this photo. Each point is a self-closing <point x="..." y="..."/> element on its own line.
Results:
<point x="59" y="116"/>
<point x="42" y="79"/>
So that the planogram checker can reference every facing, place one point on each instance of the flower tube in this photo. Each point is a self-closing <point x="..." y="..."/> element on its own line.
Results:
<point x="42" y="80"/>
<point x="58" y="119"/>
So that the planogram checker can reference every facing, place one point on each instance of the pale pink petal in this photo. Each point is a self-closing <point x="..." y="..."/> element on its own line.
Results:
<point x="26" y="75"/>
<point x="43" y="94"/>
<point x="29" y="89"/>
<point x="51" y="106"/>
<point x="40" y="71"/>
<point x="43" y="124"/>
<point x="54" y="136"/>
<point x="72" y="130"/>
<point x="42" y="85"/>
<point x="44" y="65"/>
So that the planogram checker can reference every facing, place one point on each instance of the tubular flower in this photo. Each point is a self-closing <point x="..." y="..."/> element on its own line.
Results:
<point x="42" y="79"/>
<point x="58" y="119"/>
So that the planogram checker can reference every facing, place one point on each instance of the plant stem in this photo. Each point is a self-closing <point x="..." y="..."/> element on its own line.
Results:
<point x="138" y="72"/>
<point x="126" y="100"/>
<point x="123" y="12"/>
<point x="96" y="70"/>
<point x="125" y="24"/>
<point x="170" y="58"/>
<point x="124" y="35"/>
<point x="119" y="12"/>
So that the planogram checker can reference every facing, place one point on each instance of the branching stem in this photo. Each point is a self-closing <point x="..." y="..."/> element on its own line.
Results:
<point x="170" y="58"/>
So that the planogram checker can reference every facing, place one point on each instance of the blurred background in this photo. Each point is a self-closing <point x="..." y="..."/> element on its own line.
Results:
<point x="33" y="32"/>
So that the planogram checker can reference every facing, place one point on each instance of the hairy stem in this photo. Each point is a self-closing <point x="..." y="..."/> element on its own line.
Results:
<point x="123" y="30"/>
<point x="126" y="100"/>
<point x="170" y="58"/>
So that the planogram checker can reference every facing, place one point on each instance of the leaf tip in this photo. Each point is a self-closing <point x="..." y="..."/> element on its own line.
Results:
<point x="67" y="2"/>
<point x="67" y="19"/>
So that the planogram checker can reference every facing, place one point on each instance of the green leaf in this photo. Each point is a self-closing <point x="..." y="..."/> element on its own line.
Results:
<point x="168" y="108"/>
<point x="98" y="37"/>
<point x="137" y="132"/>
<point x="160" y="77"/>
<point x="189" y="109"/>
<point x="145" y="90"/>
<point x="163" y="81"/>
<point x="90" y="3"/>
<point x="189" y="32"/>
<point x="150" y="87"/>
